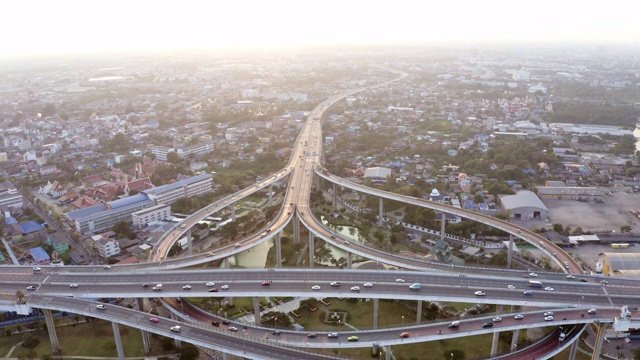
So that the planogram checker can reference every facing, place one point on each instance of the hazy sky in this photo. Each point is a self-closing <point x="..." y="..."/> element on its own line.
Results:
<point x="45" y="26"/>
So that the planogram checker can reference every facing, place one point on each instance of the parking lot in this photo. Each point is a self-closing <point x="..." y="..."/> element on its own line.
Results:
<point x="591" y="216"/>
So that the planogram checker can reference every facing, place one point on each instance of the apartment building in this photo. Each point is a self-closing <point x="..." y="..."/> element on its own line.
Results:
<point x="10" y="197"/>
<point x="108" y="248"/>
<point x="193" y="186"/>
<point x="143" y="217"/>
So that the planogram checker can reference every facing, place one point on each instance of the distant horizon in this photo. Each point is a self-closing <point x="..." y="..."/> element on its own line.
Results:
<point x="41" y="27"/>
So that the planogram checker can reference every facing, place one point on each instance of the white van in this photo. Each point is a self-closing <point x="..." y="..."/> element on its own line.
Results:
<point x="175" y="328"/>
<point x="454" y="324"/>
<point x="157" y="287"/>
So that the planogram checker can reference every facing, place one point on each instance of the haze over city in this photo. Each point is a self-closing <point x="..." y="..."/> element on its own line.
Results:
<point x="37" y="27"/>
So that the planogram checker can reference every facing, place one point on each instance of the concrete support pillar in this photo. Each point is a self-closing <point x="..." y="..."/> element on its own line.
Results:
<point x="419" y="312"/>
<point x="494" y="342"/>
<point x="176" y="341"/>
<point x="270" y="203"/>
<point x="443" y="224"/>
<point x="233" y="211"/>
<point x="375" y="313"/>
<point x="296" y="230"/>
<point x="51" y="329"/>
<point x="227" y="265"/>
<point x="225" y="356"/>
<point x="335" y="197"/>
<point x="145" y="334"/>
<point x="256" y="311"/>
<point x="189" y="243"/>
<point x="316" y="180"/>
<point x="510" y="251"/>
<point x="348" y="260"/>
<point x="312" y="249"/>
<point x="387" y="352"/>
<point x="574" y="349"/>
<point x="514" y="339"/>
<point x="118" y="339"/>
<point x="597" y="348"/>
<point x="278" y="251"/>
<point x="381" y="212"/>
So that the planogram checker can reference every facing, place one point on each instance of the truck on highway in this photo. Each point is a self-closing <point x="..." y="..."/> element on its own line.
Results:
<point x="535" y="283"/>
<point x="414" y="286"/>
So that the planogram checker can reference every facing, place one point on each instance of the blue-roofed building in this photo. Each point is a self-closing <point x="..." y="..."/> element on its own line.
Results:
<point x="105" y="216"/>
<point x="40" y="256"/>
<point x="29" y="227"/>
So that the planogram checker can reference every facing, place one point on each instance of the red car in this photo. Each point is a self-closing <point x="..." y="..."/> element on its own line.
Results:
<point x="154" y="320"/>
<point x="266" y="283"/>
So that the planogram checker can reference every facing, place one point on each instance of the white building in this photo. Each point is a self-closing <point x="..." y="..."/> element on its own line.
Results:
<point x="193" y="186"/>
<point x="10" y="197"/>
<point x="161" y="152"/>
<point x="143" y="217"/>
<point x="108" y="248"/>
<point x="377" y="174"/>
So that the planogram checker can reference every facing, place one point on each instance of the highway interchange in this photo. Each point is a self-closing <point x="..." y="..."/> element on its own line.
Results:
<point x="53" y="283"/>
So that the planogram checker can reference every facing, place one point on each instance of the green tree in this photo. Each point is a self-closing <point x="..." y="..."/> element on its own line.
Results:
<point x="625" y="229"/>
<point x="636" y="353"/>
<point x="173" y="157"/>
<point x="189" y="352"/>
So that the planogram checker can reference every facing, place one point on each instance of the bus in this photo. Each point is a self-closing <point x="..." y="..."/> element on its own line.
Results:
<point x="619" y="245"/>
<point x="535" y="283"/>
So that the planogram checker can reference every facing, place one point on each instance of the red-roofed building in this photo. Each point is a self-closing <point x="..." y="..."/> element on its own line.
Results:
<point x="84" y="202"/>
<point x="91" y="181"/>
<point x="138" y="185"/>
<point x="105" y="192"/>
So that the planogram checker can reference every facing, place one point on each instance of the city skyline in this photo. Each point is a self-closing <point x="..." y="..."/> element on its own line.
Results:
<point x="75" y="26"/>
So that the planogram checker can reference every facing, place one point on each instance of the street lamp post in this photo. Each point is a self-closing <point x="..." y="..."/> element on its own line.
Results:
<point x="402" y="320"/>
<point x="275" y="320"/>
<point x="451" y="356"/>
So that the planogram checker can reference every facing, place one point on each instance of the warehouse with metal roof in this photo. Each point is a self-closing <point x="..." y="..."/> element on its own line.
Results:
<point x="524" y="205"/>
<point x="619" y="264"/>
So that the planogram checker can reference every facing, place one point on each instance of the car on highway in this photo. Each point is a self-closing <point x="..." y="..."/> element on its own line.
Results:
<point x="480" y="293"/>
<point x="399" y="280"/>
<point x="211" y="253"/>
<point x="266" y="283"/>
<point x="73" y="285"/>
<point x="346" y="242"/>
<point x="237" y="245"/>
<point x="215" y="323"/>
<point x="107" y="267"/>
<point x="178" y="300"/>
<point x="548" y="318"/>
<point x="145" y="285"/>
<point x="548" y="288"/>
<point x="548" y="313"/>
<point x="404" y="335"/>
<point x="226" y="322"/>
<point x="367" y="285"/>
<point x="519" y="317"/>
<point x="511" y="287"/>
<point x="154" y="320"/>
<point x="210" y="284"/>
<point x="186" y="287"/>
<point x="335" y="283"/>
<point x="454" y="325"/>
<point x="233" y="328"/>
<point x="487" y="325"/>
<point x="31" y="287"/>
<point x="496" y="319"/>
<point x="355" y="288"/>
<point x="592" y="311"/>
<point x="276" y="332"/>
<point x="584" y="280"/>
<point x="527" y="292"/>
<point x="101" y="307"/>
<point x="213" y="289"/>
<point x="312" y="335"/>
<point x="316" y="287"/>
<point x="533" y="274"/>
<point x="332" y="335"/>
<point x="175" y="328"/>
<point x="35" y="268"/>
<point x="570" y="276"/>
<point x="224" y="287"/>
<point x="352" y="338"/>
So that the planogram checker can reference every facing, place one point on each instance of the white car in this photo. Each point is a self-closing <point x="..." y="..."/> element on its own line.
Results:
<point x="35" y="268"/>
<point x="186" y="287"/>
<point x="175" y="328"/>
<point x="315" y="287"/>
<point x="533" y="274"/>
<point x="73" y="285"/>
<point x="570" y="276"/>
<point x="210" y="284"/>
<point x="548" y="318"/>
<point x="335" y="283"/>
<point x="480" y="293"/>
<point x="592" y="311"/>
<point x="519" y="317"/>
<point x="399" y="280"/>
<point x="367" y="285"/>
<point x="497" y="319"/>
<point x="101" y="307"/>
<point x="511" y="287"/>
<point x="355" y="288"/>
<point x="224" y="287"/>
<point x="548" y="288"/>
<point x="548" y="313"/>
